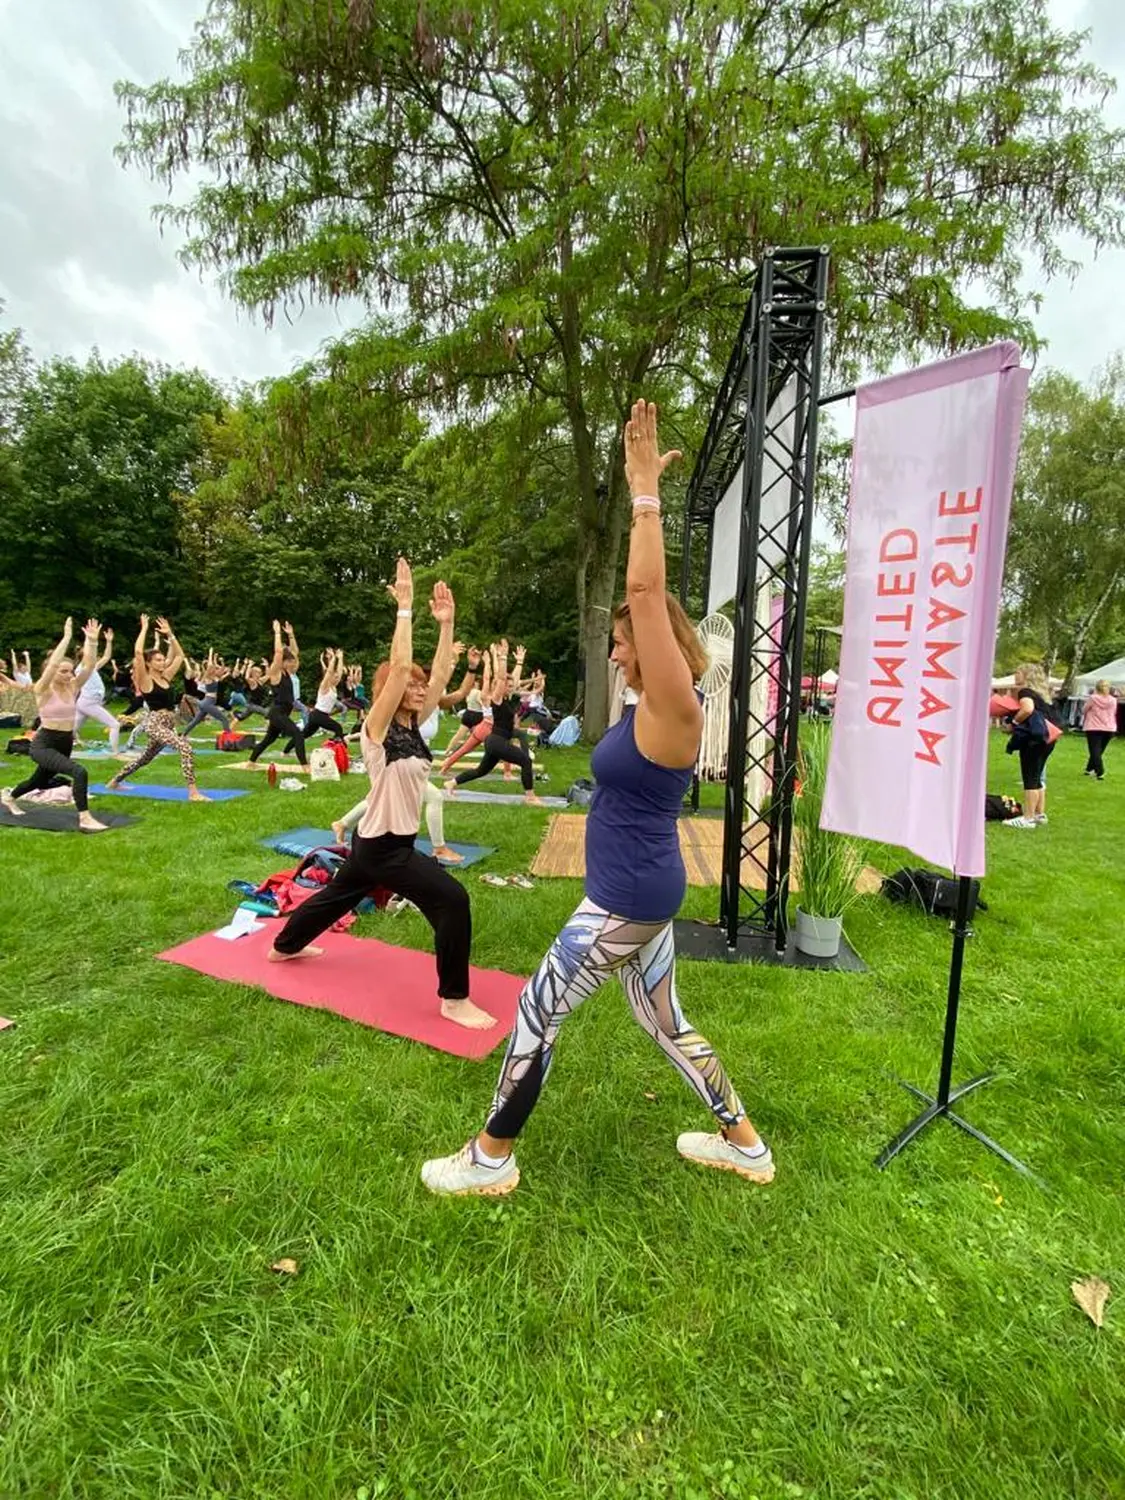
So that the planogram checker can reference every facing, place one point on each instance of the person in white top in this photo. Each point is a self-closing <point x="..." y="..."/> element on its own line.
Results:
<point x="382" y="855"/>
<point x="327" y="697"/>
<point x="22" y="674"/>
<point x="91" y="700"/>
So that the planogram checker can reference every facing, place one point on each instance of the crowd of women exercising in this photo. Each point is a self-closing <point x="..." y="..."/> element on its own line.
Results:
<point x="71" y="689"/>
<point x="635" y="877"/>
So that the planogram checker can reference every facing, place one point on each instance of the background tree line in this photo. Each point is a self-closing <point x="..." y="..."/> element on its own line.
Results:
<point x="545" y="212"/>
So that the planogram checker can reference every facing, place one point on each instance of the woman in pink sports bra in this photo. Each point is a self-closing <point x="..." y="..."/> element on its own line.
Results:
<point x="56" y="693"/>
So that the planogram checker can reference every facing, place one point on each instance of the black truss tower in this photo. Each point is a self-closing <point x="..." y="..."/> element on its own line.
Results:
<point x="764" y="419"/>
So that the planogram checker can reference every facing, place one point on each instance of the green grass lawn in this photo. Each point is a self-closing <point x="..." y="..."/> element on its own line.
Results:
<point x="624" y="1324"/>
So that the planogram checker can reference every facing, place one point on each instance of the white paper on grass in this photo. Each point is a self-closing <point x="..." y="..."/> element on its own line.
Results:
<point x="239" y="925"/>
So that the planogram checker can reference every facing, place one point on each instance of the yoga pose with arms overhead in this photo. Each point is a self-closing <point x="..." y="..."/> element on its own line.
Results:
<point x="382" y="854"/>
<point x="635" y="877"/>
<point x="327" y="697"/>
<point x="56" y="694"/>
<point x="91" y="699"/>
<point x="154" y="672"/>
<point x="286" y="661"/>
<point x="500" y="746"/>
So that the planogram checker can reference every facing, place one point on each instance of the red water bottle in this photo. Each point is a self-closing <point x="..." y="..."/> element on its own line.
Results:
<point x="271" y="774"/>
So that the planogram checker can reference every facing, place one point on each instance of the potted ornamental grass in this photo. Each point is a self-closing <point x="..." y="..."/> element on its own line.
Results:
<point x="830" y="863"/>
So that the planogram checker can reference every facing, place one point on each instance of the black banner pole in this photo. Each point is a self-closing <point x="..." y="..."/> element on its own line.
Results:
<point x="939" y="1107"/>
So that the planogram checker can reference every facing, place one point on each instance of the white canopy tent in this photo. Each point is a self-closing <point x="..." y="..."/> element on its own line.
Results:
<point x="1113" y="672"/>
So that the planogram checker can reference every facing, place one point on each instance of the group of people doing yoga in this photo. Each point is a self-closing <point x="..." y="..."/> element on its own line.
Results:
<point x="271" y="689"/>
<point x="635" y="877"/>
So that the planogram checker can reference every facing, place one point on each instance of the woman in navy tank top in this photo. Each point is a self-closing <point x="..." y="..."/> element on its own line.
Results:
<point x="634" y="874"/>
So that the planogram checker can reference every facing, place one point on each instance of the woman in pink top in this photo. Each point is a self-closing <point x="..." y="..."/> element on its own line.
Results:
<point x="399" y="762"/>
<point x="1099" y="720"/>
<point x="56" y="693"/>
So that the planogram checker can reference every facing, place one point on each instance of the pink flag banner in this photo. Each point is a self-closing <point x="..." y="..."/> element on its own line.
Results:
<point x="932" y="472"/>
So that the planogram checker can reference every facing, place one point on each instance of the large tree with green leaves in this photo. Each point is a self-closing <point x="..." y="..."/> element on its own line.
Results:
<point x="1066" y="555"/>
<point x="563" y="205"/>
<point x="99" y="455"/>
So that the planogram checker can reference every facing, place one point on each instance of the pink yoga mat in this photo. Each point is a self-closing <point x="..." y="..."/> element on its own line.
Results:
<point x="392" y="989"/>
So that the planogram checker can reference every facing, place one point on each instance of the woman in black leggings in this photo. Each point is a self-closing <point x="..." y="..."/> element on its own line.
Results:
<point x="398" y="762"/>
<point x="56" y="694"/>
<point x="286" y="659"/>
<point x="327" y="698"/>
<point x="502" y="745"/>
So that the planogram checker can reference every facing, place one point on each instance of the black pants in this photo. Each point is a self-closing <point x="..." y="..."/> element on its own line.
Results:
<point x="1034" y="755"/>
<point x="277" y="724"/>
<point x="1097" y="743"/>
<point x="496" y="749"/>
<point x="50" y="750"/>
<point x="443" y="902"/>
<point x="317" y="721"/>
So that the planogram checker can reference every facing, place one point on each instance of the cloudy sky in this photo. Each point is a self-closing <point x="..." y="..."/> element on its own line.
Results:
<point x="82" y="263"/>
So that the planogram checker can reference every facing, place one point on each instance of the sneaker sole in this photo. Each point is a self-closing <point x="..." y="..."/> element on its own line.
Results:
<point x="494" y="1190"/>
<point x="762" y="1178"/>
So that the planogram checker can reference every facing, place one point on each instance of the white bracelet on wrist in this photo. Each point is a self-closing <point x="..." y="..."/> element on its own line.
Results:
<point x="405" y="614"/>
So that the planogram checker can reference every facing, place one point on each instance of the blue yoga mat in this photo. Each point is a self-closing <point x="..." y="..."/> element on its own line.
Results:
<point x="301" y="841"/>
<point x="503" y="799"/>
<point x="156" y="793"/>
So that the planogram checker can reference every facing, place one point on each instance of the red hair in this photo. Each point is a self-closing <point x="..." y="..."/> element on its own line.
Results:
<point x="383" y="671"/>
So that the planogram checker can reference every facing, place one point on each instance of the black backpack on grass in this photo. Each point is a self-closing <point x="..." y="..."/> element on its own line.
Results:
<point x="934" y="893"/>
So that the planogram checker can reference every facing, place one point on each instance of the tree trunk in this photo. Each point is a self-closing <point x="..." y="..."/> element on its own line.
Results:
<point x="1083" y="629"/>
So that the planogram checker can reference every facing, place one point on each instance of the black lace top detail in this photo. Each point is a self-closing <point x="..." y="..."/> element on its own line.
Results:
<point x="403" y="743"/>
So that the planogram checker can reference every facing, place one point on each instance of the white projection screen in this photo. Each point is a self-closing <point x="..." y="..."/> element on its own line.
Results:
<point x="723" y="582"/>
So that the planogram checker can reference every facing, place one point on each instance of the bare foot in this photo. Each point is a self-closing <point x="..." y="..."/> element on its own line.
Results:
<point x="451" y="857"/>
<point x="450" y="787"/>
<point x="195" y="795"/>
<point x="465" y="1013"/>
<point x="280" y="958"/>
<point x="533" y="800"/>
<point x="338" y="831"/>
<point x="10" y="803"/>
<point x="89" y="824"/>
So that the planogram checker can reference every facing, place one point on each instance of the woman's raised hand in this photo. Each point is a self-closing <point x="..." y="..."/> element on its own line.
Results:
<point x="92" y="629"/>
<point x="644" y="463"/>
<point x="163" y="626"/>
<point x="474" y="657"/>
<point x="441" y="603"/>
<point x="402" y="590"/>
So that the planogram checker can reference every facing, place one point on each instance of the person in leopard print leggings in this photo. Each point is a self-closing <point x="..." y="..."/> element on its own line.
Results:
<point x="153" y="673"/>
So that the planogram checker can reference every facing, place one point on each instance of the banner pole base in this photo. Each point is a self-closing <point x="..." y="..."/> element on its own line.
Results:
<point x="935" y="1110"/>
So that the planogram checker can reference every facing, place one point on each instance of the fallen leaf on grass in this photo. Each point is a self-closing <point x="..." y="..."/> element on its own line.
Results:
<point x="1091" y="1296"/>
<point x="650" y="1096"/>
<point x="286" y="1266"/>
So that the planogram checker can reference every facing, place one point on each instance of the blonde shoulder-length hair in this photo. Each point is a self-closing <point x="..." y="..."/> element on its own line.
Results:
<point x="687" y="637"/>
<point x="1035" y="678"/>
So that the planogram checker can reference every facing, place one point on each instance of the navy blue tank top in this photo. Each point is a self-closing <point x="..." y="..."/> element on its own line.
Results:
<point x="634" y="867"/>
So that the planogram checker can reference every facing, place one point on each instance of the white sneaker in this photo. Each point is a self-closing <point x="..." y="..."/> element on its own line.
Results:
<point x="459" y="1175"/>
<point x="1039" y="818"/>
<point x="717" y="1151"/>
<point x="1020" y="823"/>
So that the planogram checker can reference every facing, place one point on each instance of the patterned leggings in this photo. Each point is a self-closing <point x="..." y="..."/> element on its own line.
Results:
<point x="593" y="947"/>
<point x="161" y="730"/>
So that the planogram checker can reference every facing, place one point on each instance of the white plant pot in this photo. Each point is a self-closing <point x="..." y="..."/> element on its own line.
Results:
<point x="818" y="937"/>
